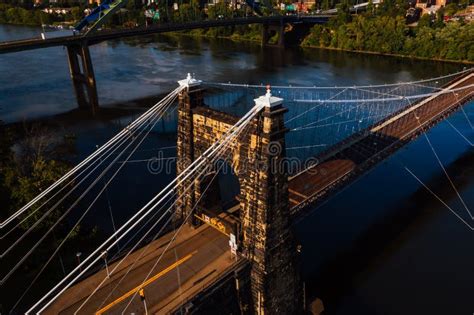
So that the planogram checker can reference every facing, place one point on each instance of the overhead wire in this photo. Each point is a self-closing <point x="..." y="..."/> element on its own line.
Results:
<point x="444" y="169"/>
<point x="101" y="160"/>
<point x="313" y="87"/>
<point x="25" y="256"/>
<point x="90" y="158"/>
<point x="176" y="233"/>
<point x="230" y="143"/>
<point x="49" y="211"/>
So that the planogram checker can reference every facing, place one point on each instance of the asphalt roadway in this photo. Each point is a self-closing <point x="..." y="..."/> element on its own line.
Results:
<point x="193" y="261"/>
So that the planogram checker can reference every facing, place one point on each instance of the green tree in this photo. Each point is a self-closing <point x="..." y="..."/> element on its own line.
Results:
<point x="424" y="21"/>
<point x="35" y="165"/>
<point x="343" y="13"/>
<point x="450" y="9"/>
<point x="423" y="44"/>
<point x="325" y="5"/>
<point x="77" y="13"/>
<point x="370" y="11"/>
<point x="189" y="12"/>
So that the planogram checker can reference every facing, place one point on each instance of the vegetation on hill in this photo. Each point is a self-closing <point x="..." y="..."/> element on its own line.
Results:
<point x="384" y="30"/>
<point x="18" y="15"/>
<point x="380" y="29"/>
<point x="31" y="159"/>
<point x="28" y="166"/>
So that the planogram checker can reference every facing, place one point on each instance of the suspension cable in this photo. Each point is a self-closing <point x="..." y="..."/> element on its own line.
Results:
<point x="313" y="87"/>
<point x="99" y="151"/>
<point x="144" y="211"/>
<point x="101" y="161"/>
<point x="224" y="149"/>
<point x="24" y="257"/>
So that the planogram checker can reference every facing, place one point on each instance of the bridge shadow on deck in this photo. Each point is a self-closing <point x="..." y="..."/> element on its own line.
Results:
<point x="348" y="161"/>
<point x="338" y="167"/>
<point x="352" y="157"/>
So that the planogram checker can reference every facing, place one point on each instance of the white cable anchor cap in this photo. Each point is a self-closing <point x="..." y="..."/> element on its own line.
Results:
<point x="268" y="100"/>
<point x="189" y="81"/>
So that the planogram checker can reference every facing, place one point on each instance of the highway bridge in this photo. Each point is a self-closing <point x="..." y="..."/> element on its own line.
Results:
<point x="105" y="35"/>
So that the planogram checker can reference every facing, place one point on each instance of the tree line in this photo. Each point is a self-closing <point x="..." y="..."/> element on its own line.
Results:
<point x="384" y="30"/>
<point x="380" y="29"/>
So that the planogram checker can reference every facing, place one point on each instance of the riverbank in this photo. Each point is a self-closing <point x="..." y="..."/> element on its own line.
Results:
<point x="466" y="62"/>
<point x="257" y="40"/>
<point x="380" y="35"/>
<point x="237" y="38"/>
<point x="390" y="36"/>
<point x="245" y="33"/>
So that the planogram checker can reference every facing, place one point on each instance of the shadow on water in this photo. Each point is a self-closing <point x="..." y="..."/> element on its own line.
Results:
<point x="339" y="276"/>
<point x="80" y="116"/>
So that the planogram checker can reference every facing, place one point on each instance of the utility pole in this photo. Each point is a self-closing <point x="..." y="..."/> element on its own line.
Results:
<point x="142" y="297"/>
<point x="78" y="255"/>
<point x="104" y="256"/>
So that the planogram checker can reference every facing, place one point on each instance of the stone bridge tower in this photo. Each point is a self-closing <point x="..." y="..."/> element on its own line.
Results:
<point x="265" y="235"/>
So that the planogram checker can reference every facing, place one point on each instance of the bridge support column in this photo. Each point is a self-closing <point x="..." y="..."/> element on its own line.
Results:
<point x="82" y="75"/>
<point x="267" y="237"/>
<point x="270" y="30"/>
<point x="190" y="98"/>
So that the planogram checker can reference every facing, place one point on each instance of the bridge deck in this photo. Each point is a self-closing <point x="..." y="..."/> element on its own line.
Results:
<point x="350" y="159"/>
<point x="196" y="259"/>
<point x="100" y="36"/>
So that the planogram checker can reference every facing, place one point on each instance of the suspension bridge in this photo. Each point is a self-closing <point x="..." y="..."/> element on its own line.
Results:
<point x="290" y="149"/>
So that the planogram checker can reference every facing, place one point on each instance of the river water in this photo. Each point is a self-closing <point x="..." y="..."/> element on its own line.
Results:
<point x="382" y="246"/>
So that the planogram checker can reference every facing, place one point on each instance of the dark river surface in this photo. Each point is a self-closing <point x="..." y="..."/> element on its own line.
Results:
<point x="382" y="246"/>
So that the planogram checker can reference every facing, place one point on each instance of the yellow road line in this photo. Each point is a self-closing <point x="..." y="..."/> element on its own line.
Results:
<point x="134" y="290"/>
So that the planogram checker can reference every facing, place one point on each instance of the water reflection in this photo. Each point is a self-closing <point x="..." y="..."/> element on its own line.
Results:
<point x="136" y="68"/>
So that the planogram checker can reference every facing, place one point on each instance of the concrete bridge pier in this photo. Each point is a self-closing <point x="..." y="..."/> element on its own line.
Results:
<point x="270" y="30"/>
<point x="82" y="76"/>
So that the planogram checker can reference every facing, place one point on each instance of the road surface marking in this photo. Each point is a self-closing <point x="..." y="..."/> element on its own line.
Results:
<point x="140" y="287"/>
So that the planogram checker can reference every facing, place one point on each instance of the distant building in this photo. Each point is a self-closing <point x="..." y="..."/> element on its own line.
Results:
<point x="467" y="15"/>
<point x="430" y="6"/>
<point x="308" y="4"/>
<point x="57" y="11"/>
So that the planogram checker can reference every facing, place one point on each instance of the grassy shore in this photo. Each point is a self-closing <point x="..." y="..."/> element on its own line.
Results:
<point x="467" y="62"/>
<point x="257" y="39"/>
